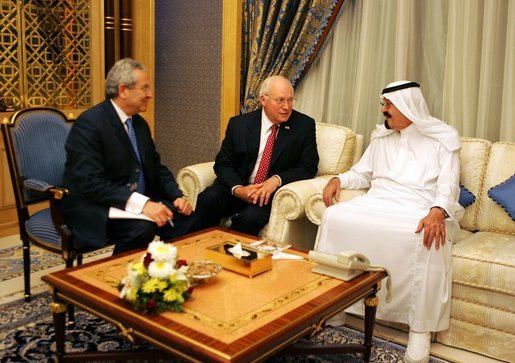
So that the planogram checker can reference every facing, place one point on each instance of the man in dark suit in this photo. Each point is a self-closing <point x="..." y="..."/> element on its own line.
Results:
<point x="244" y="188"/>
<point x="104" y="169"/>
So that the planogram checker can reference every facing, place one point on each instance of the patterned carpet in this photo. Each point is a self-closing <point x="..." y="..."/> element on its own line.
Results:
<point x="27" y="335"/>
<point x="27" y="331"/>
<point x="11" y="260"/>
<point x="42" y="263"/>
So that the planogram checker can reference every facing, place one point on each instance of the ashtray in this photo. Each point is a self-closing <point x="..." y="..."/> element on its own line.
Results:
<point x="203" y="269"/>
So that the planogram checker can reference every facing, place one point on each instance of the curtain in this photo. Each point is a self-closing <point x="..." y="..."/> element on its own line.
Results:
<point x="281" y="37"/>
<point x="461" y="52"/>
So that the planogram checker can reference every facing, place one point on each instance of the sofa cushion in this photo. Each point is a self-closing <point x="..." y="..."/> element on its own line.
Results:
<point x="483" y="291"/>
<point x="500" y="167"/>
<point x="466" y="197"/>
<point x="504" y="195"/>
<point x="486" y="261"/>
<point x="473" y="158"/>
<point x="486" y="340"/>
<point x="336" y="146"/>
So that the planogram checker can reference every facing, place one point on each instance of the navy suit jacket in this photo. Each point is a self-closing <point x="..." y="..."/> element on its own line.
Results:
<point x="102" y="167"/>
<point x="295" y="155"/>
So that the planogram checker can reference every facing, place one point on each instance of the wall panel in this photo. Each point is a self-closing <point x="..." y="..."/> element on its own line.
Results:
<point x="188" y="42"/>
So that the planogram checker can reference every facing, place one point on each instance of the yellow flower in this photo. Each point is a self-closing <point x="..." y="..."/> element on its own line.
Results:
<point x="154" y="285"/>
<point x="138" y="268"/>
<point x="182" y="286"/>
<point x="170" y="295"/>
<point x="131" y="295"/>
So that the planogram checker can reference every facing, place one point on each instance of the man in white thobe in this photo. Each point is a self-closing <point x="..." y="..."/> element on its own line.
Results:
<point x="407" y="219"/>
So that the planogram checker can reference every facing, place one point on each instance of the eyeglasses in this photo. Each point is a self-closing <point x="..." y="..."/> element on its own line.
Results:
<point x="145" y="88"/>
<point x="385" y="103"/>
<point x="281" y="100"/>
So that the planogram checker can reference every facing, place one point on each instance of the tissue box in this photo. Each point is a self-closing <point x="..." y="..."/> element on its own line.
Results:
<point x="255" y="263"/>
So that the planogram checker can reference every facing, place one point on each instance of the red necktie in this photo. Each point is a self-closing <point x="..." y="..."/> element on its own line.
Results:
<point x="264" y="164"/>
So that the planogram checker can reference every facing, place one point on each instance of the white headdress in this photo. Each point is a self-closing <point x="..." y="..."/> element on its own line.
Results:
<point x="408" y="99"/>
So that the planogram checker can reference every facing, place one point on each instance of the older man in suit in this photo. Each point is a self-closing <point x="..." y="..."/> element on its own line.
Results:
<point x="112" y="161"/>
<point x="262" y="151"/>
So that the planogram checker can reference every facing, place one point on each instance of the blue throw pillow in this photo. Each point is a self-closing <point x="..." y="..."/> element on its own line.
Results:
<point x="466" y="197"/>
<point x="504" y="195"/>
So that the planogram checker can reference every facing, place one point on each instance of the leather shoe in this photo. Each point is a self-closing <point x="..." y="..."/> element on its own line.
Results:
<point x="418" y="348"/>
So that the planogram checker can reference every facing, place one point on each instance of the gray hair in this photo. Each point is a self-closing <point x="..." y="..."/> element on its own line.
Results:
<point x="265" y="86"/>
<point x="122" y="73"/>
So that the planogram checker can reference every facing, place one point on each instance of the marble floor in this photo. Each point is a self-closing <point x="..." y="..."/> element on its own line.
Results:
<point x="11" y="281"/>
<point x="12" y="289"/>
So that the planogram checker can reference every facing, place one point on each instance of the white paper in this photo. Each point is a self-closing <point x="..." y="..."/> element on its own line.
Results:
<point x="285" y="256"/>
<point x="115" y="213"/>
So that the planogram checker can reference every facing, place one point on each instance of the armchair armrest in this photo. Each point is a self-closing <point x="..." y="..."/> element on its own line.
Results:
<point x="55" y="195"/>
<point x="36" y="185"/>
<point x="194" y="179"/>
<point x="315" y="206"/>
<point x="288" y="207"/>
<point x="42" y="187"/>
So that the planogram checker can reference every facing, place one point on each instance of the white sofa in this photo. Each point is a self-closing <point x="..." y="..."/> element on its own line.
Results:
<point x="337" y="147"/>
<point x="483" y="296"/>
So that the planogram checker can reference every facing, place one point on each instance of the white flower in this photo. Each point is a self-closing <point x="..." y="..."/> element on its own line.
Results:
<point x="160" y="269"/>
<point x="161" y="251"/>
<point x="181" y="273"/>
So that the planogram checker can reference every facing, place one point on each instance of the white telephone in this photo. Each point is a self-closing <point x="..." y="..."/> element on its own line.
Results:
<point x="345" y="266"/>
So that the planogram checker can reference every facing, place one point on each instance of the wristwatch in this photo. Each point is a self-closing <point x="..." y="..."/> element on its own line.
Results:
<point x="444" y="212"/>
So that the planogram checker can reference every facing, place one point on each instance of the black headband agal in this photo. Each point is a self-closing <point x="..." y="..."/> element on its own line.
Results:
<point x="399" y="87"/>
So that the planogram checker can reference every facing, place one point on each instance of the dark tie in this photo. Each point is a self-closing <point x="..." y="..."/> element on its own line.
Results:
<point x="140" y="187"/>
<point x="264" y="164"/>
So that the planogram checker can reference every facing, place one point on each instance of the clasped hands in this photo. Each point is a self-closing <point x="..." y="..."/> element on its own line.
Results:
<point x="258" y="193"/>
<point x="161" y="214"/>
<point x="433" y="223"/>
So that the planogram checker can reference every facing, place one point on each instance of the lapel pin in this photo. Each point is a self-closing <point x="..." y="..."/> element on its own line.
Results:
<point x="287" y="127"/>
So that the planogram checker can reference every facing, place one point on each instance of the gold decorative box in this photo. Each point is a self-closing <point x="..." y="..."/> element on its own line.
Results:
<point x="253" y="262"/>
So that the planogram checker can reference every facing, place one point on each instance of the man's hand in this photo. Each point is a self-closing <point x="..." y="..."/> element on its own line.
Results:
<point x="258" y="193"/>
<point x="245" y="192"/>
<point x="263" y="194"/>
<point x="434" y="228"/>
<point x="331" y="191"/>
<point x="183" y="206"/>
<point x="158" y="212"/>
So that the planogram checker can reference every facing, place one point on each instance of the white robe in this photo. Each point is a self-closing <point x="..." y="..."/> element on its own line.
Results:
<point x="407" y="174"/>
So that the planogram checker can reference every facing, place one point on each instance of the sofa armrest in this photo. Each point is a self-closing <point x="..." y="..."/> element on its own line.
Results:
<point x="288" y="206"/>
<point x="194" y="179"/>
<point x="315" y="206"/>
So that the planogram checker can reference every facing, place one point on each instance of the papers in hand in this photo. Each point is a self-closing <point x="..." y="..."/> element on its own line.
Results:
<point x="237" y="251"/>
<point x="115" y="213"/>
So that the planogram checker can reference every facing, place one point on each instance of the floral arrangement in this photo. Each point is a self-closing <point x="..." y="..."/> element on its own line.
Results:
<point x="158" y="282"/>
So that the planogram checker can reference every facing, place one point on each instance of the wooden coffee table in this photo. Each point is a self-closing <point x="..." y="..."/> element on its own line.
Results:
<point x="230" y="318"/>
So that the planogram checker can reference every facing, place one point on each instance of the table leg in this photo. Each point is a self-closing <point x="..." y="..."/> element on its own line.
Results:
<point x="58" y="311"/>
<point x="371" y="303"/>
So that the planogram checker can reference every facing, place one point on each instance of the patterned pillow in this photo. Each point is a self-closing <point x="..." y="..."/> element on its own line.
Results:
<point x="504" y="195"/>
<point x="466" y="197"/>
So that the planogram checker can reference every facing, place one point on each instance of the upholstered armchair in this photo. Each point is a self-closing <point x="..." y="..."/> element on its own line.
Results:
<point x="34" y="141"/>
<point x="337" y="148"/>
